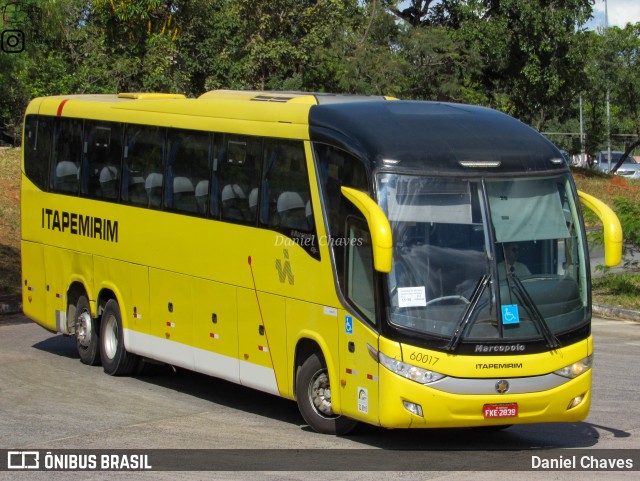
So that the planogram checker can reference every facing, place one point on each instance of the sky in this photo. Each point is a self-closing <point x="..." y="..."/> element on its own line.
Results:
<point x="620" y="13"/>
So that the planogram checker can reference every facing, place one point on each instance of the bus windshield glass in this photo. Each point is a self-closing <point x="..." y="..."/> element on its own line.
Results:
<point x="485" y="258"/>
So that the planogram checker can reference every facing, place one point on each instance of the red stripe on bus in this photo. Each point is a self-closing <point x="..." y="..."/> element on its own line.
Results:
<point x="61" y="106"/>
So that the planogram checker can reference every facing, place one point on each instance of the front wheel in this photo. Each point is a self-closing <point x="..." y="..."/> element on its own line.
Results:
<point x="313" y="394"/>
<point x="116" y="361"/>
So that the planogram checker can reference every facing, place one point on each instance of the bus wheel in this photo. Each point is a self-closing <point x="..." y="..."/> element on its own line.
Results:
<point x="313" y="394"/>
<point x="116" y="361"/>
<point x="87" y="339"/>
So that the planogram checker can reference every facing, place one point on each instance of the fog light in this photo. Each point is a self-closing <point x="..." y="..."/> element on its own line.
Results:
<point x="576" y="400"/>
<point x="413" y="408"/>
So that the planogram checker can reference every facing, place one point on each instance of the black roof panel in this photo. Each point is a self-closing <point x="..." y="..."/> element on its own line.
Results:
<point x="434" y="135"/>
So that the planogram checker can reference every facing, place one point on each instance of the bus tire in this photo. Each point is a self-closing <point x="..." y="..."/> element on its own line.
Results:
<point x="116" y="361"/>
<point x="313" y="395"/>
<point x="87" y="333"/>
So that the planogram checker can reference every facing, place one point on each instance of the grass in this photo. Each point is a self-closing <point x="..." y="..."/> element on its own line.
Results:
<point x="618" y="290"/>
<point x="615" y="290"/>
<point x="10" y="221"/>
<point x="622" y="290"/>
<point x="605" y="187"/>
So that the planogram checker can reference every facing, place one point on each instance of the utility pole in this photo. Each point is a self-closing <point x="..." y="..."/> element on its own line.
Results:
<point x="583" y="154"/>
<point x="606" y="27"/>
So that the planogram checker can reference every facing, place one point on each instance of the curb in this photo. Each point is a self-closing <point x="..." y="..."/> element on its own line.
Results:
<point x="616" y="313"/>
<point x="10" y="305"/>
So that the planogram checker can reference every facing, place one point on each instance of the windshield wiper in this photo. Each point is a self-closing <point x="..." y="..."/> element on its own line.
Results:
<point x="466" y="317"/>
<point x="530" y="305"/>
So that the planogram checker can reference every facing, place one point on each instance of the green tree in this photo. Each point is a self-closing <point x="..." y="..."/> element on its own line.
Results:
<point x="437" y="65"/>
<point x="613" y="65"/>
<point x="284" y="39"/>
<point x="418" y="13"/>
<point x="138" y="37"/>
<point x="36" y="70"/>
<point x="594" y="94"/>
<point x="368" y="54"/>
<point x="622" y="49"/>
<point x="530" y="51"/>
<point x="208" y="46"/>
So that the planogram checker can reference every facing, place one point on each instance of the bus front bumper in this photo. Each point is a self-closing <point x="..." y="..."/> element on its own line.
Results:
<point x="407" y="404"/>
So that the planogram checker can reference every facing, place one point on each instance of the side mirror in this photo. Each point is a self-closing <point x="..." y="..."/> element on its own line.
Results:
<point x="381" y="241"/>
<point x="611" y="226"/>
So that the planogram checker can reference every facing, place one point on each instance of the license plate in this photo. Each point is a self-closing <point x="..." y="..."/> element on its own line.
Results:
<point x="491" y="411"/>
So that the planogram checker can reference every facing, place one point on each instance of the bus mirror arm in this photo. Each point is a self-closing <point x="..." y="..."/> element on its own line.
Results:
<point x="611" y="226"/>
<point x="381" y="240"/>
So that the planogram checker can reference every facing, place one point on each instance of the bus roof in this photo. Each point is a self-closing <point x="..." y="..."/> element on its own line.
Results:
<point x="410" y="135"/>
<point x="141" y="107"/>
<point x="310" y="98"/>
<point x="447" y="138"/>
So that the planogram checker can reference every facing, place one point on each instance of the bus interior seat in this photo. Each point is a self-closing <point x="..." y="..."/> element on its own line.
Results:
<point x="234" y="203"/>
<point x="136" y="192"/>
<point x="67" y="176"/>
<point x="109" y="182"/>
<point x="253" y="202"/>
<point x="184" y="195"/>
<point x="202" y="192"/>
<point x="153" y="186"/>
<point x="291" y="211"/>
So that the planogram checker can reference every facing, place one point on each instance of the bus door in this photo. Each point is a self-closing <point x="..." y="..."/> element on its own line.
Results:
<point x="358" y="380"/>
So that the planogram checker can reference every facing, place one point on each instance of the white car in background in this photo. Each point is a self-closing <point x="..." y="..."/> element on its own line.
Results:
<point x="630" y="168"/>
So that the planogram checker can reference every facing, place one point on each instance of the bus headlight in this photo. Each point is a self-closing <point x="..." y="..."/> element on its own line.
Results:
<point x="574" y="370"/>
<point x="415" y="373"/>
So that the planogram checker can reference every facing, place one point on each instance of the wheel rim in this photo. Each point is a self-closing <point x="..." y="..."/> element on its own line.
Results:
<point x="83" y="329"/>
<point x="111" y="337"/>
<point x="320" y="394"/>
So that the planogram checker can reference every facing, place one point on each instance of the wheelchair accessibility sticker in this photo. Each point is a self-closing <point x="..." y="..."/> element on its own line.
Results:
<point x="348" y="324"/>
<point x="510" y="314"/>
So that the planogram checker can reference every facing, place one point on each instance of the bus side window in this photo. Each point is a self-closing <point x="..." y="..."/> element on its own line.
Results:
<point x="286" y="200"/>
<point x="102" y="160"/>
<point x="238" y="176"/>
<point x="336" y="168"/>
<point x="187" y="171"/>
<point x="38" y="134"/>
<point x="67" y="156"/>
<point x="218" y="153"/>
<point x="142" y="173"/>
<point x="360" y="274"/>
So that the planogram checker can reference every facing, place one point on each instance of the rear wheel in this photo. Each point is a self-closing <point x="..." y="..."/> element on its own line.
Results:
<point x="87" y="338"/>
<point x="313" y="394"/>
<point x="116" y="361"/>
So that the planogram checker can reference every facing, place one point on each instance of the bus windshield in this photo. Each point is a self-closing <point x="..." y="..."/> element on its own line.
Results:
<point x="485" y="258"/>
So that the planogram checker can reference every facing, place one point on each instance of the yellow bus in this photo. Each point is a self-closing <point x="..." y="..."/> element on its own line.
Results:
<point x="404" y="264"/>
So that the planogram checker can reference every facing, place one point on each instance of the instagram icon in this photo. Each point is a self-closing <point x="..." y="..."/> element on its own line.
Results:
<point x="12" y="37"/>
<point x="12" y="41"/>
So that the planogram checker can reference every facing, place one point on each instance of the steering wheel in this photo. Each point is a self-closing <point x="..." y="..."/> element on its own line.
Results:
<point x="461" y="299"/>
